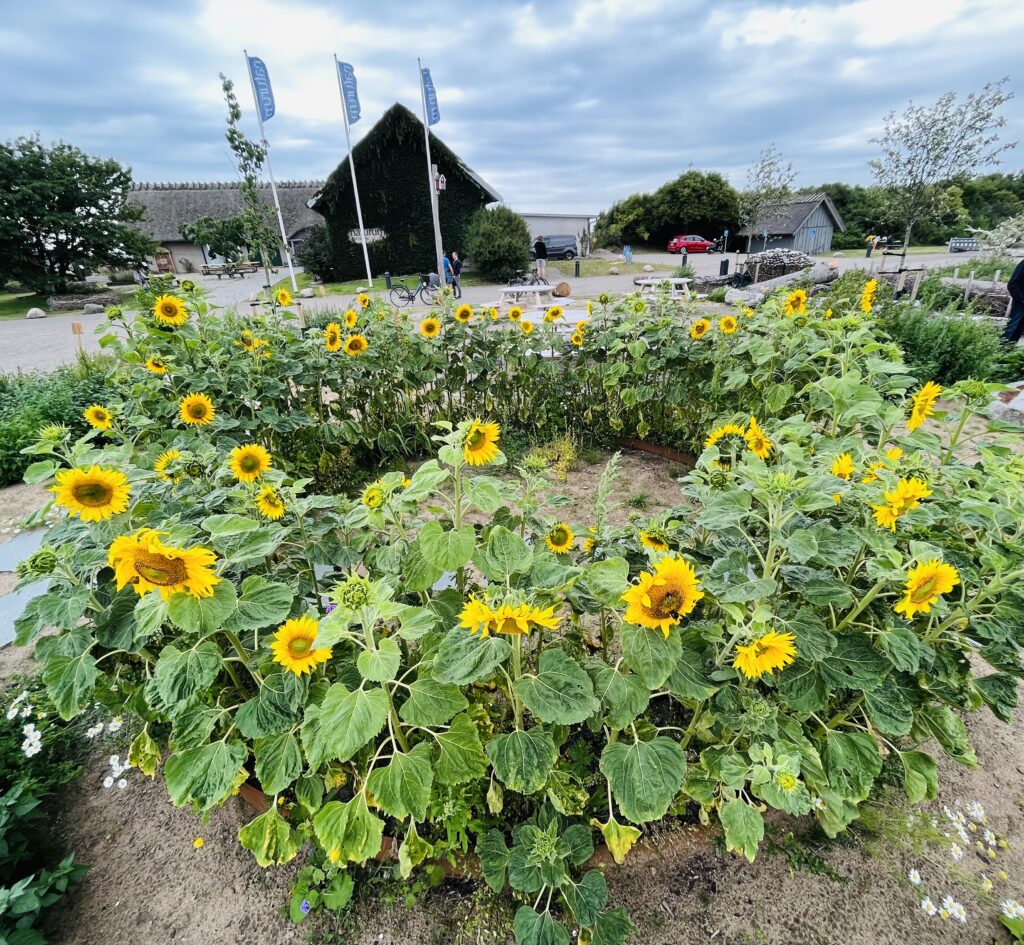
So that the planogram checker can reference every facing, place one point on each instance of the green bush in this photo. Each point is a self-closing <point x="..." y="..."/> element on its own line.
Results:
<point x="685" y="271"/>
<point x="314" y="255"/>
<point x="498" y="243"/>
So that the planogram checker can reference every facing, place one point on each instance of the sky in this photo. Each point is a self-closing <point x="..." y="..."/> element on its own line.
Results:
<point x="562" y="106"/>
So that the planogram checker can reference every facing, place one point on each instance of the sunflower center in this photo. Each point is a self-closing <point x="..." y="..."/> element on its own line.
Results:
<point x="508" y="625"/>
<point x="159" y="569"/>
<point x="558" y="536"/>
<point x="668" y="604"/>
<point x="272" y="500"/>
<point x="300" y="646"/>
<point x="93" y="494"/>
<point x="169" y="310"/>
<point x="197" y="411"/>
<point x="924" y="591"/>
<point x="249" y="463"/>
<point x="476" y="438"/>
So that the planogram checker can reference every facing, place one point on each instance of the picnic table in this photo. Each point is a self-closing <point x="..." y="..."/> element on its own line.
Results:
<point x="230" y="270"/>
<point x="680" y="285"/>
<point x="516" y="293"/>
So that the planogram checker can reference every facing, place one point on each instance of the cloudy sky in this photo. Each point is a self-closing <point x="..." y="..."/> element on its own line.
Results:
<point x="561" y="105"/>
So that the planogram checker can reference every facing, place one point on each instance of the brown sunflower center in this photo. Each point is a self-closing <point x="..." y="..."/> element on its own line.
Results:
<point x="272" y="500"/>
<point x="197" y="411"/>
<point x="249" y="463"/>
<point x="300" y="646"/>
<point x="159" y="569"/>
<point x="924" y="591"/>
<point x="93" y="494"/>
<point x="668" y="604"/>
<point x="169" y="310"/>
<point x="559" y="536"/>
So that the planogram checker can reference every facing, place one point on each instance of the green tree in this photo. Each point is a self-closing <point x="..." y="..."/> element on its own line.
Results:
<point x="695" y="202"/>
<point x="498" y="242"/>
<point x="627" y="221"/>
<point x="63" y="214"/>
<point x="769" y="188"/>
<point x="316" y="256"/>
<point x="225" y="238"/>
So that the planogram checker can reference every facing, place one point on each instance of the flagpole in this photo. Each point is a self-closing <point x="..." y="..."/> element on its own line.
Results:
<point x="270" y="174"/>
<point x="438" y="246"/>
<point x="352" y="165"/>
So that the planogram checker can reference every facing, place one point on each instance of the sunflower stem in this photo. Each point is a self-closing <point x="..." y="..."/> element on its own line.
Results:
<point x="859" y="609"/>
<point x="240" y="650"/>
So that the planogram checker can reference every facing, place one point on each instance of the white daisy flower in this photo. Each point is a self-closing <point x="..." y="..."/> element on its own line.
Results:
<point x="928" y="906"/>
<point x="122" y="784"/>
<point x="976" y="812"/>
<point x="108" y="781"/>
<point x="115" y="724"/>
<point x="956" y="852"/>
<point x="915" y="877"/>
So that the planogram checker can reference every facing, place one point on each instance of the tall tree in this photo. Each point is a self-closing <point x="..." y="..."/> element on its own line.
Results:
<point x="63" y="214"/>
<point x="695" y="202"/>
<point x="769" y="188"/>
<point x="926" y="146"/>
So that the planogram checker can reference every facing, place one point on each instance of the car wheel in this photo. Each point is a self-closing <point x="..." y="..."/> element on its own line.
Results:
<point x="569" y="254"/>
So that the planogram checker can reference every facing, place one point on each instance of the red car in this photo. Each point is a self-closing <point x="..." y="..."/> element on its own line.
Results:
<point x="691" y="244"/>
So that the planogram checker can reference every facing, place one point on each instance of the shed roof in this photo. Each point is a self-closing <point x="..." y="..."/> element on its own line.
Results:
<point x="790" y="216"/>
<point x="168" y="205"/>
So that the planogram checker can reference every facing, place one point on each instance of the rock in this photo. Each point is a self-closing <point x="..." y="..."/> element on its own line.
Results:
<point x="35" y="313"/>
<point x="91" y="308"/>
<point x="562" y="290"/>
<point x="306" y="293"/>
<point x="648" y="268"/>
<point x="839" y="252"/>
<point x="742" y="297"/>
<point x="613" y="270"/>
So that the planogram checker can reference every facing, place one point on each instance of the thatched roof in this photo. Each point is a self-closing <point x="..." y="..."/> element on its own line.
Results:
<point x="169" y="205"/>
<point x="786" y="219"/>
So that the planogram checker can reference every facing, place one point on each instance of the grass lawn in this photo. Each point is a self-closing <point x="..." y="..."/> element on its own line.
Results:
<point x="600" y="267"/>
<point x="16" y="304"/>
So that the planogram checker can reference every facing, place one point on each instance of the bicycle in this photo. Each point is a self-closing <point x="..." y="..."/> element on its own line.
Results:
<point x="401" y="294"/>
<point x="521" y="278"/>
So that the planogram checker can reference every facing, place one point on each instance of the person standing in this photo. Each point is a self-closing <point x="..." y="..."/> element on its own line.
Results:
<point x="456" y="274"/>
<point x="449" y="276"/>
<point x="1015" y="321"/>
<point x="540" y="253"/>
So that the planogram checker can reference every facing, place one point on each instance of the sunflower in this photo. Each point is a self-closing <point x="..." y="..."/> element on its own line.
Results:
<point x="871" y="473"/>
<point x="867" y="296"/>
<point x="553" y="314"/>
<point x="885" y="516"/>
<point x="796" y="302"/>
<point x="828" y="313"/>
<point x="699" y="329"/>
<point x="356" y="345"/>
<point x="293" y="646"/>
<point x="170" y="310"/>
<point x="246" y="341"/>
<point x="147" y="564"/>
<point x="493" y="312"/>
<point x="843" y="466"/>
<point x="512" y="620"/>
<point x="99" y="418"/>
<point x="639" y="307"/>
<point x="925" y="584"/>
<point x="577" y="339"/>
<point x="582" y="324"/>
<point x="249" y="462"/>
<point x="924" y="405"/>
<point x="156" y="366"/>
<point x="464" y="313"/>
<point x="269" y="503"/>
<point x="188" y="285"/>
<point x="332" y="337"/>
<point x="196" y="410"/>
<point x="476" y="617"/>
<point x="589" y="544"/>
<point x="430" y="327"/>
<point x="757" y="441"/>
<point x="661" y="599"/>
<point x="655" y="539"/>
<point x="373" y="496"/>
<point x="894" y="454"/>
<point x="527" y="327"/>
<point x="363" y="300"/>
<point x="283" y="297"/>
<point x="560" y="538"/>
<point x="163" y="461"/>
<point x="515" y="313"/>
<point x="93" y="494"/>
<point x="351" y="318"/>
<point x="770" y="652"/>
<point x="728" y="325"/>
<point x="546" y="618"/>
<point x="747" y="310"/>
<point x="481" y="444"/>
<point x="727" y="429"/>
<point x="907" y="495"/>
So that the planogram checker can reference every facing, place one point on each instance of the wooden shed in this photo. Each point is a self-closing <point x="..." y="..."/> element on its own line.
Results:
<point x="805" y="224"/>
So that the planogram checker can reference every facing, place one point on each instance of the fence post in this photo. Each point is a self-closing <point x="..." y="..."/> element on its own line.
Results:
<point x="970" y="285"/>
<point x="917" y="285"/>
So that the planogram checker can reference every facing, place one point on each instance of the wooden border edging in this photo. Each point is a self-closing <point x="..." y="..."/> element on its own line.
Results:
<point x="666" y="452"/>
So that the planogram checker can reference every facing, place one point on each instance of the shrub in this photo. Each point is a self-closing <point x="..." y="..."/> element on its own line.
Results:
<point x="685" y="271"/>
<point x="717" y="295"/>
<point x="315" y="256"/>
<point x="498" y="243"/>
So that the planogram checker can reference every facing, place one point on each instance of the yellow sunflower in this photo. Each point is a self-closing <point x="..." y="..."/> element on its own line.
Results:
<point x="351" y="318"/>
<point x="293" y="646"/>
<point x="747" y="310"/>
<point x="481" y="444"/>
<point x="363" y="300"/>
<point x="512" y="620"/>
<point x="373" y="496"/>
<point x="885" y="516"/>
<point x="249" y="462"/>
<point x="925" y="584"/>
<point x="356" y="345"/>
<point x="660" y="600"/>
<point x="196" y="410"/>
<point x="828" y="313"/>
<point x="332" y="337"/>
<point x="269" y="503"/>
<point x="582" y="324"/>
<point x="464" y="313"/>
<point x="796" y="302"/>
<point x="156" y="366"/>
<point x="553" y="314"/>
<point x="546" y="618"/>
<point x="867" y="296"/>
<point x="728" y="325"/>
<point x="907" y="495"/>
<point x="99" y="418"/>
<point x="894" y="454"/>
<point x="924" y="405"/>
<point x="515" y="313"/>
<point x="163" y="461"/>
<point x="493" y="312"/>
<point x="93" y="494"/>
<point x="147" y="564"/>
<point x="283" y="297"/>
<point x="757" y="440"/>
<point x="577" y="339"/>
<point x="476" y="617"/>
<point x="655" y="539"/>
<point x="430" y="327"/>
<point x="527" y="327"/>
<point x="699" y="329"/>
<point x="766" y="654"/>
<point x="170" y="310"/>
<point x="843" y="466"/>
<point x="560" y="538"/>
<point x="871" y="473"/>
<point x="727" y="429"/>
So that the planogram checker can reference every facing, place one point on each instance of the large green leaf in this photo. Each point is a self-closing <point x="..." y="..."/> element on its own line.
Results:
<point x="607" y="581"/>
<point x="348" y="720"/>
<point x="505" y="554"/>
<point x="182" y="674"/>
<point x="206" y="775"/>
<point x="947" y="728"/>
<point x="650" y="653"/>
<point x="261" y="604"/>
<point x="854" y="664"/>
<point x="460" y="755"/>
<point x="623" y="695"/>
<point x="687" y="680"/>
<point x="493" y="853"/>
<point x="432" y="702"/>
<point x="560" y="691"/>
<point x="402" y="787"/>
<point x="538" y="928"/>
<point x="278" y="761"/>
<point x="889" y="708"/>
<point x="70" y="680"/>
<point x="347" y="831"/>
<point x="523" y="760"/>
<point x="381" y="664"/>
<point x="644" y="776"/>
<point x="921" y="776"/>
<point x="612" y="928"/>
<point x="586" y="898"/>
<point x="446" y="550"/>
<point x="462" y="658"/>
<point x="744" y="827"/>
<point x="203" y="615"/>
<point x="275" y="708"/>
<point x="852" y="763"/>
<point x="270" y="839"/>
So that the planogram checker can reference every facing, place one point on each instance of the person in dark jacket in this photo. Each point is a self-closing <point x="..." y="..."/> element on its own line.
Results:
<point x="456" y="274"/>
<point x="540" y="252"/>
<point x="1015" y="323"/>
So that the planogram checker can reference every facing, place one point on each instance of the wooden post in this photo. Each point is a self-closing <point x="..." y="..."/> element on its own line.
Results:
<point x="76" y="330"/>
<point x="917" y="285"/>
<point x="757" y="273"/>
<point x="956" y="273"/>
<point x="995" y="278"/>
<point x="901" y="280"/>
<point x="970" y="285"/>
<point x="302" y="318"/>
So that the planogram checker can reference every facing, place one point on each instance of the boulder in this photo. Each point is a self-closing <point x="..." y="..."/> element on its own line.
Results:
<point x="613" y="270"/>
<point x="35" y="313"/>
<point x="839" y="253"/>
<point x="561" y="290"/>
<point x="91" y="308"/>
<point x="742" y="297"/>
<point x="648" y="268"/>
<point x="306" y="293"/>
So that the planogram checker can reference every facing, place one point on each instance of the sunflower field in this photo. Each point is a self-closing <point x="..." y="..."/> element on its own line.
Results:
<point x="433" y="672"/>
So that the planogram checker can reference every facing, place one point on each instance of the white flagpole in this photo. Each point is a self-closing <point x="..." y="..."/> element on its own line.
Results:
<point x="438" y="246"/>
<point x="352" y="164"/>
<point x="270" y="174"/>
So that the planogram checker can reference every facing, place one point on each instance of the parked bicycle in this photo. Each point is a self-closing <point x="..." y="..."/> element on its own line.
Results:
<point x="524" y="278"/>
<point x="401" y="294"/>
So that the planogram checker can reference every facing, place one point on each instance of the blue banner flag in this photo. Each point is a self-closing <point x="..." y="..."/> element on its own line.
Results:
<point x="264" y="94"/>
<point x="433" y="112"/>
<point x="349" y="92"/>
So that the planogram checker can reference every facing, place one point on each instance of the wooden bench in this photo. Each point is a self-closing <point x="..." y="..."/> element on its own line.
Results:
<point x="230" y="270"/>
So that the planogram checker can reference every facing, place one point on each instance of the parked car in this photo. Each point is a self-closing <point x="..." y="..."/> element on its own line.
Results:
<point x="563" y="246"/>
<point x="692" y="244"/>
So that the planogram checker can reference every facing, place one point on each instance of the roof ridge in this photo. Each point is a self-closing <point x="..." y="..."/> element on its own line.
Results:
<point x="219" y="185"/>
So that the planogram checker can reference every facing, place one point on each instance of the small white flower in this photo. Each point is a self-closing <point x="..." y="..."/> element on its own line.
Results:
<point x="115" y="724"/>
<point x="114" y="760"/>
<point x="108" y="781"/>
<point x="976" y="812"/>
<point x="990" y="838"/>
<point x="1012" y="909"/>
<point x="962" y="834"/>
<point x="94" y="730"/>
<point x="26" y="710"/>
<point x="915" y="877"/>
<point x="953" y="909"/>
<point x="12" y="712"/>
<point x="122" y="784"/>
<point x="956" y="852"/>
<point x="818" y="803"/>
<point x="928" y="906"/>
<point x="31" y="749"/>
